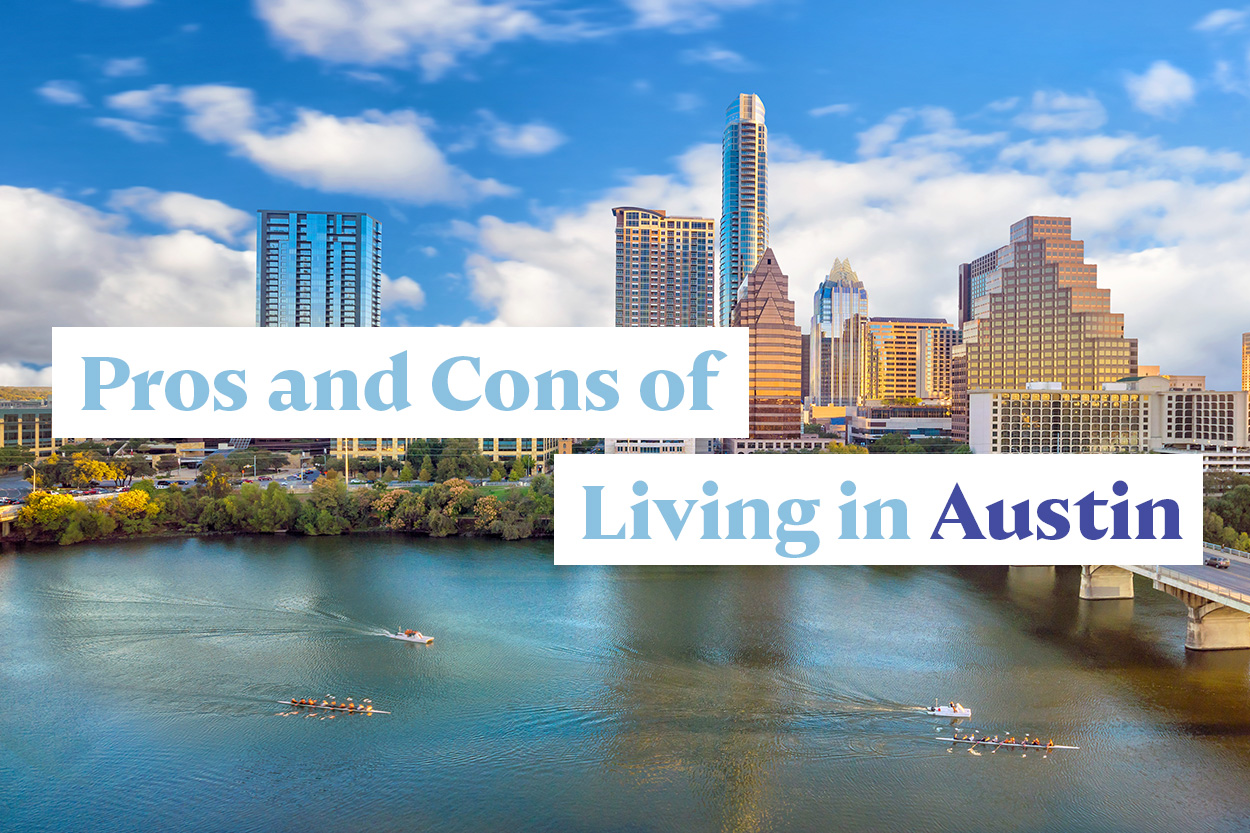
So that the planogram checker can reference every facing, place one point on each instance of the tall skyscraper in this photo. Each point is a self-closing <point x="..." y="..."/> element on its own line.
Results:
<point x="665" y="273"/>
<point x="744" y="197"/>
<point x="776" y="362"/>
<point x="1032" y="311"/>
<point x="836" y="351"/>
<point x="1245" y="361"/>
<point x="913" y="357"/>
<point x="318" y="269"/>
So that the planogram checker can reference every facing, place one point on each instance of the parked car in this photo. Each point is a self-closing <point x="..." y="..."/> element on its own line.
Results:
<point x="1217" y="561"/>
<point x="264" y="479"/>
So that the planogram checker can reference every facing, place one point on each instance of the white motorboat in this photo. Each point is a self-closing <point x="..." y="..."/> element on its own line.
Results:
<point x="950" y="710"/>
<point x="412" y="636"/>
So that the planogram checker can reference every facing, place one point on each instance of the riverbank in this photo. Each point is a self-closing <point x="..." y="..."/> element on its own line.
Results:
<point x="452" y="508"/>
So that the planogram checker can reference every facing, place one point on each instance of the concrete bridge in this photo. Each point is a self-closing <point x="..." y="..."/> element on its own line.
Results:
<point x="8" y="514"/>
<point x="1218" y="599"/>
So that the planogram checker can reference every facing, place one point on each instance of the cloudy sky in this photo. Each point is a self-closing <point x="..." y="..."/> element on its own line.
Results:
<point x="491" y="138"/>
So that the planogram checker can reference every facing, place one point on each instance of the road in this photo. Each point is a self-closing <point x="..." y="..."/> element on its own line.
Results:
<point x="1235" y="578"/>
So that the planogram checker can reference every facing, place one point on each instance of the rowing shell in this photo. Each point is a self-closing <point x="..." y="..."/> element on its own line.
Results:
<point x="331" y="708"/>
<point x="1016" y="745"/>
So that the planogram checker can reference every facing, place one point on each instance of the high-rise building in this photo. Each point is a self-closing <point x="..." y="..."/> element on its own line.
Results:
<point x="744" y="197"/>
<point x="1032" y="311"/>
<point x="1245" y="361"/>
<point x="665" y="272"/>
<point x="665" y="277"/>
<point x="776" y="364"/>
<point x="913" y="357"/>
<point x="318" y="269"/>
<point x="838" y="357"/>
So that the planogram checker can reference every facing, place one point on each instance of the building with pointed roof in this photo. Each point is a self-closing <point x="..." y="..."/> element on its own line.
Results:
<point x="776" y="363"/>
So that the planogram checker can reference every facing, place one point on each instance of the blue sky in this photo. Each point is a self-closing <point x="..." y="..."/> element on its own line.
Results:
<point x="491" y="138"/>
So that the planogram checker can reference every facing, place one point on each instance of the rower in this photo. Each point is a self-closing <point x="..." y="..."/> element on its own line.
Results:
<point x="1050" y="744"/>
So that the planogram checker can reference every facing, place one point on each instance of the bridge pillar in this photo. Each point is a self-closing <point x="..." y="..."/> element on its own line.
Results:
<point x="1105" y="581"/>
<point x="6" y="528"/>
<point x="1214" y="627"/>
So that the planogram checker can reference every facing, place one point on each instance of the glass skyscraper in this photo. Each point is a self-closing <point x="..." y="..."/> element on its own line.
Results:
<point x="776" y="383"/>
<point x="318" y="269"/>
<point x="744" y="198"/>
<point x="836" y="352"/>
<point x="1032" y="311"/>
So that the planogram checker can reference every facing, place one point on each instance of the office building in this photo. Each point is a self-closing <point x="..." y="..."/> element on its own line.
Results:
<point x="776" y="364"/>
<point x="504" y="450"/>
<point x="382" y="449"/>
<point x="28" y="424"/>
<point x="665" y="269"/>
<point x="839" y="355"/>
<point x="870" y="422"/>
<point x="744" y="198"/>
<point x="1134" y="416"/>
<point x="913" y="357"/>
<point x="318" y="269"/>
<point x="1245" y="361"/>
<point x="1032" y="311"/>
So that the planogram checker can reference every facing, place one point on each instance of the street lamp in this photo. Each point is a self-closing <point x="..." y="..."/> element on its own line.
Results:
<point x="34" y="476"/>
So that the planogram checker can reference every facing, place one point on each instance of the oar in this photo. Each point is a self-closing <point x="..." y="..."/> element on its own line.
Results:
<point x="1000" y="743"/>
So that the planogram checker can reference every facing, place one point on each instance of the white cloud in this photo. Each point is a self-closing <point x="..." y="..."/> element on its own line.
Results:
<point x="118" y="4"/>
<point x="717" y="57"/>
<point x="388" y="155"/>
<point x="432" y="34"/>
<point x="135" y="131"/>
<point x="85" y="269"/>
<point x="180" y="210"/>
<point x="437" y="35"/>
<point x="685" y="102"/>
<point x="1059" y="111"/>
<point x="125" y="67"/>
<point x="22" y="376"/>
<point x="1162" y="90"/>
<point x="684" y="14"/>
<point x="142" y="104"/>
<point x="831" y="110"/>
<point x="63" y="92"/>
<point x="532" y="139"/>
<point x="938" y="131"/>
<point x="402" y="291"/>
<point x="1223" y="20"/>
<point x="909" y="216"/>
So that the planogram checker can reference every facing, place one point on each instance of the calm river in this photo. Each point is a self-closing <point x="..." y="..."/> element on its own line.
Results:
<point x="139" y="684"/>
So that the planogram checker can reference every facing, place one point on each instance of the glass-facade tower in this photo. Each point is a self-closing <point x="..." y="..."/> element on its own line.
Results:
<point x="318" y="269"/>
<point x="776" y="363"/>
<point x="744" y="198"/>
<point x="1032" y="311"/>
<point x="836" y="342"/>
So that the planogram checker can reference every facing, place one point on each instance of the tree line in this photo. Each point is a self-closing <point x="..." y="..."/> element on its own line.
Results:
<point x="213" y="506"/>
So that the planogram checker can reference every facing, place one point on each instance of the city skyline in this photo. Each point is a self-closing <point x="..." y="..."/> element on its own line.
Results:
<point x="150" y="153"/>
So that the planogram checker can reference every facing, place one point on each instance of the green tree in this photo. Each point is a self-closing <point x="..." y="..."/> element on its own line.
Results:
<point x="167" y="462"/>
<point x="426" y="473"/>
<point x="817" y="428"/>
<point x="496" y="474"/>
<point x="518" y="470"/>
<point x="13" y="456"/>
<point x="407" y="474"/>
<point x="527" y="463"/>
<point x="844" y="448"/>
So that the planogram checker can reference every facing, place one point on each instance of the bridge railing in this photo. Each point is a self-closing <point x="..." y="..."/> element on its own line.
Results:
<point x="1229" y="551"/>
<point x="1217" y="590"/>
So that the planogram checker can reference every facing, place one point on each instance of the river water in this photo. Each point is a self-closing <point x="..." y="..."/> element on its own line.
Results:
<point x="139" y="683"/>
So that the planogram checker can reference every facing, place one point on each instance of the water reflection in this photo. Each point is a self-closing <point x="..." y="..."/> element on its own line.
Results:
<point x="594" y="698"/>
